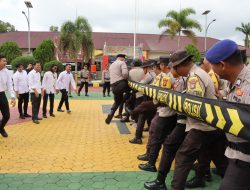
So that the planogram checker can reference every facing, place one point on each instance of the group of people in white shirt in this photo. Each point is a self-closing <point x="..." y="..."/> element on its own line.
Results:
<point x="24" y="84"/>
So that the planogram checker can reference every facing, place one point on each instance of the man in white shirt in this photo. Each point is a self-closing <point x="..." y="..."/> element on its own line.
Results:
<point x="21" y="87"/>
<point x="64" y="82"/>
<point x="49" y="89"/>
<point x="35" y="87"/>
<point x="5" y="85"/>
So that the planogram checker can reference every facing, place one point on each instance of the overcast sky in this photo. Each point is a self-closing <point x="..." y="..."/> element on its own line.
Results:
<point x="118" y="15"/>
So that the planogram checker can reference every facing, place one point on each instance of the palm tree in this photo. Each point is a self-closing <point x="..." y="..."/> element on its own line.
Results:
<point x="178" y="22"/>
<point x="77" y="36"/>
<point x="245" y="29"/>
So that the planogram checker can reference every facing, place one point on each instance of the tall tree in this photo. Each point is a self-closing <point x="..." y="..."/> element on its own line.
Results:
<point x="45" y="52"/>
<point x="245" y="29"/>
<point x="6" y="27"/>
<point x="176" y="23"/>
<point x="10" y="50"/>
<point x="77" y="36"/>
<point x="53" y="28"/>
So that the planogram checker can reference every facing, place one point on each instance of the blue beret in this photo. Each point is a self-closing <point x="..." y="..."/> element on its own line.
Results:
<point x="221" y="51"/>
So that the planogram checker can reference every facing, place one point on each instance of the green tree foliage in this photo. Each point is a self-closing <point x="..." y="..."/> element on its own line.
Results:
<point x="193" y="50"/>
<point x="10" y="50"/>
<point x="75" y="37"/>
<point x="245" y="29"/>
<point x="53" y="29"/>
<point x="176" y="23"/>
<point x="48" y="65"/>
<point x="6" y="27"/>
<point x="25" y="60"/>
<point x="44" y="52"/>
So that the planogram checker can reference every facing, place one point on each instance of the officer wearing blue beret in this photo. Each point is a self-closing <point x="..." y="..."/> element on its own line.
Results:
<point x="226" y="60"/>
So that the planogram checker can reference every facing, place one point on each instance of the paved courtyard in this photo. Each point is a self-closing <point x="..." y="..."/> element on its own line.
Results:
<point x="73" y="151"/>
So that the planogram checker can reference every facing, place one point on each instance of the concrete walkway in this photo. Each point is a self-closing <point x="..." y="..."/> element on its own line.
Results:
<point x="73" y="151"/>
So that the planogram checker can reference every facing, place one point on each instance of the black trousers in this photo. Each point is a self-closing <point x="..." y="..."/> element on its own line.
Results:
<point x="35" y="101"/>
<point x="236" y="176"/>
<point x="5" y="110"/>
<point x="51" y="100"/>
<point x="64" y="98"/>
<point x="170" y="147"/>
<point x="192" y="146"/>
<point x="164" y="127"/>
<point x="118" y="89"/>
<point x="86" y="84"/>
<point x="152" y="131"/>
<point x="23" y="103"/>
<point x="210" y="154"/>
<point x="142" y="118"/>
<point x="106" y="87"/>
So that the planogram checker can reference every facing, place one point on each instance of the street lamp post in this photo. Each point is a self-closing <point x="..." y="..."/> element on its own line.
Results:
<point x="206" y="33"/>
<point x="28" y="5"/>
<point x="206" y="13"/>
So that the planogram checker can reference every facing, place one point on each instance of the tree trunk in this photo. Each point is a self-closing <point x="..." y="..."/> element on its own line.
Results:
<point x="247" y="41"/>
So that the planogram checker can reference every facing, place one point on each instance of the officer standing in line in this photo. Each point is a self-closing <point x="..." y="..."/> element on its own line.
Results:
<point x="173" y="141"/>
<point x="5" y="85"/>
<point x="205" y="157"/>
<point x="167" y="117"/>
<point x="200" y="135"/>
<point x="136" y="74"/>
<point x="21" y="87"/>
<point x="219" y="84"/>
<point x="145" y="156"/>
<point x="149" y="76"/>
<point x="106" y="81"/>
<point x="118" y="80"/>
<point x="84" y="80"/>
<point x="227" y="62"/>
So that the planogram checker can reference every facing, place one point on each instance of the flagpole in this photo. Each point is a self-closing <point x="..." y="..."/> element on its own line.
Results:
<point x="135" y="29"/>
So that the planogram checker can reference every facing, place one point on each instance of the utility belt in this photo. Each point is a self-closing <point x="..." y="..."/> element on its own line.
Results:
<point x="107" y="78"/>
<point x="241" y="163"/>
<point x="243" y="147"/>
<point x="118" y="82"/>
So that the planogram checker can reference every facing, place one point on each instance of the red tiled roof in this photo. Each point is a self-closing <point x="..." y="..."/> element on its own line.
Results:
<point x="149" y="42"/>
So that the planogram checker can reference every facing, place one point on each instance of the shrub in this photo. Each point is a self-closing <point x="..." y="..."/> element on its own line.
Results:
<point x="25" y="60"/>
<point x="193" y="50"/>
<point x="44" y="52"/>
<point x="10" y="50"/>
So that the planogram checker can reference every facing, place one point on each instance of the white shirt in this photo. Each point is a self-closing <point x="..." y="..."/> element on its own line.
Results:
<point x="20" y="80"/>
<point x="6" y="82"/>
<point x="65" y="80"/>
<point x="49" y="82"/>
<point x="34" y="80"/>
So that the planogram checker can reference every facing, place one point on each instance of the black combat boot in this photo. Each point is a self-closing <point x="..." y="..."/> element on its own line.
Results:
<point x="135" y="141"/>
<point x="155" y="185"/>
<point x="195" y="182"/>
<point x="143" y="157"/>
<point x="109" y="117"/>
<point x="148" y="167"/>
